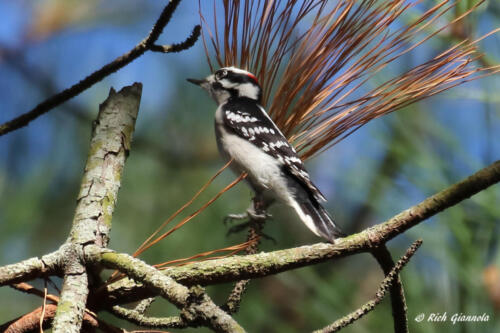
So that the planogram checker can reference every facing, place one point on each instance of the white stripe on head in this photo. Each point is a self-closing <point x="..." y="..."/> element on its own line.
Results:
<point x="237" y="70"/>
<point x="249" y="90"/>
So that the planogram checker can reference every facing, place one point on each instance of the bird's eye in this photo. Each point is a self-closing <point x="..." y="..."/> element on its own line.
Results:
<point x="221" y="74"/>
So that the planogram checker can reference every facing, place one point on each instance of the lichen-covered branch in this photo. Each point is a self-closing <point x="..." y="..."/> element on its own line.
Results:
<point x="264" y="264"/>
<point x="140" y="319"/>
<point x="30" y="322"/>
<point x="197" y="308"/>
<point x="109" y="147"/>
<point x="31" y="268"/>
<point x="390" y="278"/>
<point x="111" y="139"/>
<point x="398" y="300"/>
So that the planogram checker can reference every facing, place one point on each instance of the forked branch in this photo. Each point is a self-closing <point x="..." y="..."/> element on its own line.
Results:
<point x="146" y="44"/>
<point x="389" y="280"/>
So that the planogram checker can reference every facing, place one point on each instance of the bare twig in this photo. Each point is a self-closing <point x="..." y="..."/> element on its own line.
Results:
<point x="139" y="319"/>
<point x="398" y="301"/>
<point x="31" y="321"/>
<point x="28" y="269"/>
<point x="386" y="284"/>
<point x="144" y="305"/>
<point x="174" y="48"/>
<point x="29" y="289"/>
<point x="26" y="324"/>
<point x="146" y="44"/>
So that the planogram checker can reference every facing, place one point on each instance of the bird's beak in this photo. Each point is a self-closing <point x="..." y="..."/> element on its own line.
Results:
<point x="196" y="81"/>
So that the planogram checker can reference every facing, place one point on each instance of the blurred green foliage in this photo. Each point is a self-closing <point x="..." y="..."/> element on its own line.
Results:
<point x="382" y="169"/>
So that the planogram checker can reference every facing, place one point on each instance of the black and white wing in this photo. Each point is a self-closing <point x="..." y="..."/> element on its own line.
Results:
<point x="254" y="125"/>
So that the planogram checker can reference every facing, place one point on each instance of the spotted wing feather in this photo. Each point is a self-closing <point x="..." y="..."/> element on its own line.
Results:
<point x="254" y="125"/>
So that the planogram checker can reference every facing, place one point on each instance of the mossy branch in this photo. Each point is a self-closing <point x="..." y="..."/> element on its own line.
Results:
<point x="196" y="306"/>
<point x="263" y="264"/>
<point x="386" y="284"/>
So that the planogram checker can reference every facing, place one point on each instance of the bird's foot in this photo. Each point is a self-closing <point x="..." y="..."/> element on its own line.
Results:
<point x="252" y="219"/>
<point x="252" y="223"/>
<point x="249" y="215"/>
<point x="238" y="228"/>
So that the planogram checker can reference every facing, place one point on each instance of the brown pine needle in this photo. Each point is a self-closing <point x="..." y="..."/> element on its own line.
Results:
<point x="315" y="60"/>
<point x="233" y="250"/>
<point x="29" y="289"/>
<point x="144" y="245"/>
<point x="42" y="315"/>
<point x="198" y="211"/>
<point x="322" y="53"/>
<point x="117" y="275"/>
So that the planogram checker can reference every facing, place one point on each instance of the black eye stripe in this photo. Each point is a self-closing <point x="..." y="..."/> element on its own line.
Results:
<point x="239" y="78"/>
<point x="220" y="74"/>
<point x="231" y="76"/>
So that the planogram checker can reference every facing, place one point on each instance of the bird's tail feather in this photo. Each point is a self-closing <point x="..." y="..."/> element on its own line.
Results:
<point x="316" y="218"/>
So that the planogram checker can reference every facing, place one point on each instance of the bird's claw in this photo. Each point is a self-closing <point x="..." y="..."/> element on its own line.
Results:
<point x="251" y="218"/>
<point x="258" y="217"/>
<point x="242" y="226"/>
<point x="238" y="228"/>
<point x="271" y="238"/>
<point x="248" y="215"/>
<point x="234" y="217"/>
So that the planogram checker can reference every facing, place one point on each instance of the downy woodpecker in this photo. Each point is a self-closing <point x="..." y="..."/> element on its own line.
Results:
<point x="247" y="134"/>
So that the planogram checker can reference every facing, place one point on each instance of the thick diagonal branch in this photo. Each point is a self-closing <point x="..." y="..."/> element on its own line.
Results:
<point x="264" y="264"/>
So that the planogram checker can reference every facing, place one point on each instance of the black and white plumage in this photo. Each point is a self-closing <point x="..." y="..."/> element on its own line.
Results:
<point x="245" y="133"/>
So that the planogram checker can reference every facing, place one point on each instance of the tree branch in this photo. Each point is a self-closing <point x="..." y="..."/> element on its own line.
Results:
<point x="120" y="62"/>
<point x="139" y="319"/>
<point x="196" y="306"/>
<point x="178" y="47"/>
<point x="30" y="322"/>
<point x="389" y="280"/>
<point x="29" y="289"/>
<point x="109" y="146"/>
<point x="31" y="268"/>
<point x="398" y="301"/>
<point x="233" y="301"/>
<point x="264" y="264"/>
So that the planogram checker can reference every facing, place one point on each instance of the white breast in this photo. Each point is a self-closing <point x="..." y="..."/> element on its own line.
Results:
<point x="264" y="172"/>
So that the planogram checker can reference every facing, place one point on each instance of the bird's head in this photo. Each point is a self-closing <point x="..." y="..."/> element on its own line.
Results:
<point x="230" y="82"/>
